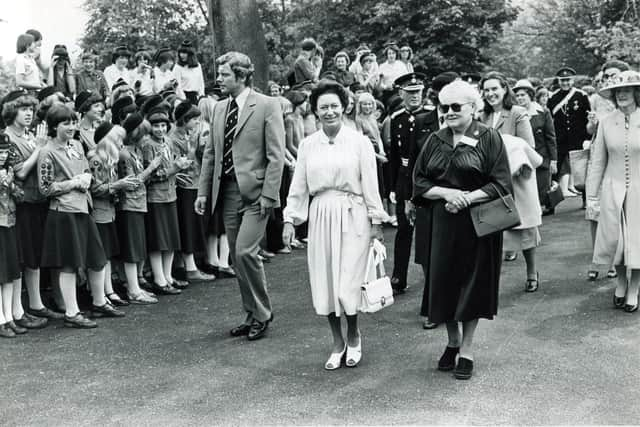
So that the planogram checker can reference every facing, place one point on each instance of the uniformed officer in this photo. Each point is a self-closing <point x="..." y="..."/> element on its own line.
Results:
<point x="406" y="130"/>
<point x="570" y="108"/>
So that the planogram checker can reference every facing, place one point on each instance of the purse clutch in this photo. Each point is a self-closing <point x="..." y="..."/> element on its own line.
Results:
<point x="495" y="216"/>
<point x="579" y="162"/>
<point x="375" y="294"/>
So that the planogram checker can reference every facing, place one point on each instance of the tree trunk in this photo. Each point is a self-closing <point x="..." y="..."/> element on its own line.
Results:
<point x="237" y="26"/>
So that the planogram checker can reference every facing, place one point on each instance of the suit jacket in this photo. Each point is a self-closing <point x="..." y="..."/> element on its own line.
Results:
<point x="512" y="122"/>
<point x="258" y="150"/>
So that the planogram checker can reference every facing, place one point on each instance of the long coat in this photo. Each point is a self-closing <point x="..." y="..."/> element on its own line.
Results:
<point x="512" y="122"/>
<point x="615" y="164"/>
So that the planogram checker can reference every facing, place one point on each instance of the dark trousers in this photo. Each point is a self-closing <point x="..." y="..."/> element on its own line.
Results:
<point x="402" y="246"/>
<point x="424" y="307"/>
<point x="543" y="177"/>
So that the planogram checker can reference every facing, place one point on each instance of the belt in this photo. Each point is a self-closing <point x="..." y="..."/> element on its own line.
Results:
<point x="348" y="202"/>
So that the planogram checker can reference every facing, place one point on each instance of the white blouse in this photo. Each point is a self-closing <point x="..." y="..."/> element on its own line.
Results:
<point x="348" y="165"/>
<point x="190" y="79"/>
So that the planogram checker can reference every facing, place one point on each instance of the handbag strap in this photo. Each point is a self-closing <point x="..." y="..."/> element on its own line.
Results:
<point x="370" y="261"/>
<point x="499" y="194"/>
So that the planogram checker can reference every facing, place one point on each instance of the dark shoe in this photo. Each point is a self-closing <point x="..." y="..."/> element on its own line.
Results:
<point x="264" y="259"/>
<point x="142" y="281"/>
<point x="398" y="286"/>
<point x="32" y="322"/>
<point x="106" y="310"/>
<point x="532" y="284"/>
<point x="226" y="273"/>
<point x="164" y="290"/>
<point x="240" y="330"/>
<point x="428" y="324"/>
<point x="618" y="302"/>
<point x="258" y="330"/>
<point x="209" y="269"/>
<point x="116" y="301"/>
<point x="592" y="275"/>
<point x="510" y="256"/>
<point x="448" y="359"/>
<point x="464" y="369"/>
<point x="179" y="284"/>
<point x="630" y="308"/>
<point x="19" y="330"/>
<point x="6" y="331"/>
<point x="612" y="274"/>
<point x="197" y="276"/>
<point x="79" y="322"/>
<point x="46" y="313"/>
<point x="267" y="254"/>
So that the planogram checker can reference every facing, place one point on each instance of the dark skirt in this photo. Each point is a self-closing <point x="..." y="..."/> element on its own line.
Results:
<point x="132" y="236"/>
<point x="109" y="239"/>
<point x="193" y="233"/>
<point x="213" y="220"/>
<point x="162" y="229"/>
<point x="462" y="270"/>
<point x="30" y="221"/>
<point x="71" y="240"/>
<point x="9" y="262"/>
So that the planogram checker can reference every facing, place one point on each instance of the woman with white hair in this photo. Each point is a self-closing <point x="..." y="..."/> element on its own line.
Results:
<point x="613" y="180"/>
<point x="461" y="165"/>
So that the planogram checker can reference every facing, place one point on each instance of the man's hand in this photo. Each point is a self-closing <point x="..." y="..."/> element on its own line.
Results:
<point x="266" y="205"/>
<point x="200" y="205"/>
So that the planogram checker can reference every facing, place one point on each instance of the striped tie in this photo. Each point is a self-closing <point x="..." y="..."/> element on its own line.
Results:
<point x="229" y="134"/>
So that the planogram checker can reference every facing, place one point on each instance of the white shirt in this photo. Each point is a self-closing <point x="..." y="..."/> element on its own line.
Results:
<point x="146" y="88"/>
<point x="26" y="66"/>
<point x="241" y="99"/>
<point x="390" y="72"/>
<point x="191" y="79"/>
<point x="112" y="74"/>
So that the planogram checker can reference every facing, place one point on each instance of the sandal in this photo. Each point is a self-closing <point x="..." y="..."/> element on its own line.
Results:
<point x="592" y="275"/>
<point x="142" y="299"/>
<point x="115" y="300"/>
<point x="612" y="274"/>
<point x="335" y="360"/>
<point x="532" y="284"/>
<point x="354" y="354"/>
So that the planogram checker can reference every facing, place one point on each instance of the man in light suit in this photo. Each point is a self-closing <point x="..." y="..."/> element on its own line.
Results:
<point x="241" y="172"/>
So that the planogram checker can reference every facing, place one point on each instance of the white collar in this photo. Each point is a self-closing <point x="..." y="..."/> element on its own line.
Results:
<point x="241" y="99"/>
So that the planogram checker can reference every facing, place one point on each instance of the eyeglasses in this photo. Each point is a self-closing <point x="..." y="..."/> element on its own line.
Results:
<point x="456" y="108"/>
<point x="608" y="76"/>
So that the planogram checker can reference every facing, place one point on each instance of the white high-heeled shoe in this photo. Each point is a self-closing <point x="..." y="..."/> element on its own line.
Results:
<point x="354" y="354"/>
<point x="335" y="360"/>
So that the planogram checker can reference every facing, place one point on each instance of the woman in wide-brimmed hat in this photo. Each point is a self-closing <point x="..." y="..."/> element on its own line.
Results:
<point x="613" y="179"/>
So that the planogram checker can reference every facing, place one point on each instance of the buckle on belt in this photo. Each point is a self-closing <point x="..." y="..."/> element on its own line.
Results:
<point x="404" y="161"/>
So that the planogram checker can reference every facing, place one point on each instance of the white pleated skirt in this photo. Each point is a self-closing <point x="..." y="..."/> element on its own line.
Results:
<point x="339" y="238"/>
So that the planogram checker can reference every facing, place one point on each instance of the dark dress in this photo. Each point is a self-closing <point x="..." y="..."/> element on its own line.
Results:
<point x="462" y="271"/>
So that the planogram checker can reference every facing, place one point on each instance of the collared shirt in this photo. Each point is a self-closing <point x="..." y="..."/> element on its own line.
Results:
<point x="85" y="135"/>
<point x="22" y="146"/>
<point x="186" y="145"/>
<point x="26" y="66"/>
<point x="241" y="99"/>
<point x="161" y="187"/>
<point x="191" y="79"/>
<point x="161" y="78"/>
<point x="104" y="174"/>
<point x="93" y="81"/>
<point x="58" y="164"/>
<point x="145" y="79"/>
<point x="112" y="74"/>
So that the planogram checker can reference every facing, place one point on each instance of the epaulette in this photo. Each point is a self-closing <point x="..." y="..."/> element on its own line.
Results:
<point x="398" y="112"/>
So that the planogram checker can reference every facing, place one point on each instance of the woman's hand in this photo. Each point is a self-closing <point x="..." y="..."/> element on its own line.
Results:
<point x="376" y="233"/>
<point x="41" y="134"/>
<point x="288" y="232"/>
<point x="127" y="183"/>
<point x="456" y="200"/>
<point x="183" y="163"/>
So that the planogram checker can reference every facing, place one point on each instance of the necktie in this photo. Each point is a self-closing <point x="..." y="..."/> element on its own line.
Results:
<point x="229" y="134"/>
<point x="441" y="120"/>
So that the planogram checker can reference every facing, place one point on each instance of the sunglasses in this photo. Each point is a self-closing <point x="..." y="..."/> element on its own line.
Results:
<point x="456" y="108"/>
<point x="608" y="76"/>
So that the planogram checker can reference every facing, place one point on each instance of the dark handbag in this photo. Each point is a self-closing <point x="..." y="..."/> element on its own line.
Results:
<point x="555" y="196"/>
<point x="495" y="216"/>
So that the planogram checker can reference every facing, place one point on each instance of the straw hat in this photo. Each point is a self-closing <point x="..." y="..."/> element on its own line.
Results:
<point x="624" y="79"/>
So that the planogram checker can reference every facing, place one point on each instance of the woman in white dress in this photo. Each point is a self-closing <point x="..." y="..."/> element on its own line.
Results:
<point x="337" y="167"/>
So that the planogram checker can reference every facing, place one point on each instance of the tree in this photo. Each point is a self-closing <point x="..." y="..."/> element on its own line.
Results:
<point x="444" y="34"/>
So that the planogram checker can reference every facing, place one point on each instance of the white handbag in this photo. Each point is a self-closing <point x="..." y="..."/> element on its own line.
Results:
<point x="376" y="294"/>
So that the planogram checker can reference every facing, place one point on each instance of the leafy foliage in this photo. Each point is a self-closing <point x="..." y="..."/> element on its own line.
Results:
<point x="444" y="34"/>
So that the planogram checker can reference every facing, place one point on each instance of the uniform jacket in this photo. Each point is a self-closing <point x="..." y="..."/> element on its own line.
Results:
<point x="130" y="163"/>
<point x="570" y="121"/>
<point x="186" y="145"/>
<point x="57" y="165"/>
<point x="258" y="150"/>
<point x="21" y="149"/>
<point x="409" y="131"/>
<point x="9" y="195"/>
<point x="544" y="135"/>
<point x="161" y="187"/>
<point x="513" y="122"/>
<point x="104" y="210"/>
<point x="614" y="165"/>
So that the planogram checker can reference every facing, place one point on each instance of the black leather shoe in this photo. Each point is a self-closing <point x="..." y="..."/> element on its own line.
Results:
<point x="80" y="322"/>
<point x="19" y="330"/>
<point x="106" y="310"/>
<point x="448" y="359"/>
<point x="618" y="302"/>
<point x="179" y="284"/>
<point x="532" y="284"/>
<point x="46" y="313"/>
<point x="209" y="269"/>
<point x="258" y="330"/>
<point x="464" y="369"/>
<point x="226" y="273"/>
<point x="32" y="322"/>
<point x="164" y="290"/>
<point x="240" y="330"/>
<point x="428" y="324"/>
<point x="630" y="308"/>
